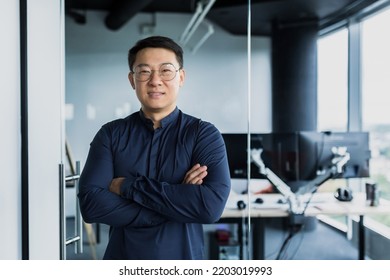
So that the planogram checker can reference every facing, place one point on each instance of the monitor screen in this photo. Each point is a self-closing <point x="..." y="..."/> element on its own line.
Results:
<point x="279" y="154"/>
<point x="315" y="153"/>
<point x="237" y="153"/>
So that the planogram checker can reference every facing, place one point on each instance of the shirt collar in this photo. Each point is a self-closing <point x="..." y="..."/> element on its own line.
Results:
<point x="164" y="122"/>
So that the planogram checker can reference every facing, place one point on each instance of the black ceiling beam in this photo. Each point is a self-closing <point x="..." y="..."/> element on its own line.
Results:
<point x="122" y="11"/>
<point x="347" y="11"/>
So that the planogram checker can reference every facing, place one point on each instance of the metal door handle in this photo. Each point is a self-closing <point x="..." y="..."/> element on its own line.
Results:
<point x="78" y="238"/>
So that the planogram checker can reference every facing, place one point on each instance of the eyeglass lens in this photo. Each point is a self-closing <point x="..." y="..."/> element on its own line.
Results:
<point x="166" y="72"/>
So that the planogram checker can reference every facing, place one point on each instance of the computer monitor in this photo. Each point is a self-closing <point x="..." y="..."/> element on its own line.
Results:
<point x="279" y="154"/>
<point x="315" y="153"/>
<point x="237" y="153"/>
<point x="298" y="157"/>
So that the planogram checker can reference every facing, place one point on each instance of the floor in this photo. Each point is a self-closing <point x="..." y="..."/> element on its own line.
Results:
<point x="318" y="241"/>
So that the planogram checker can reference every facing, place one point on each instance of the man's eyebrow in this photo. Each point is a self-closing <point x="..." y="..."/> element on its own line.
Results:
<point x="145" y="64"/>
<point x="142" y="64"/>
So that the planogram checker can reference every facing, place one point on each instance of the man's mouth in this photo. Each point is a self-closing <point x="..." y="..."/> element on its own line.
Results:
<point x="155" y="94"/>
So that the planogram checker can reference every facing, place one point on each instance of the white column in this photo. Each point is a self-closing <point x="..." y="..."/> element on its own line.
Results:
<point x="45" y="54"/>
<point x="10" y="188"/>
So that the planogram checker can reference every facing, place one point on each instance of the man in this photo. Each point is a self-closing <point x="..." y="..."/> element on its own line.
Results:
<point x="157" y="175"/>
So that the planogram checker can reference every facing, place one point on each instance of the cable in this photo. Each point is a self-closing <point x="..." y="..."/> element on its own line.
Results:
<point x="269" y="256"/>
<point x="293" y="231"/>
<point x="299" y="245"/>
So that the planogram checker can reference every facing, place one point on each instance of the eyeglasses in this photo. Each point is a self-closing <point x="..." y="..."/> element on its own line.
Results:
<point x="167" y="72"/>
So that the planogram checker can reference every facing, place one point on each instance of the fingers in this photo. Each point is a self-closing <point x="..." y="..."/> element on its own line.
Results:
<point x="195" y="175"/>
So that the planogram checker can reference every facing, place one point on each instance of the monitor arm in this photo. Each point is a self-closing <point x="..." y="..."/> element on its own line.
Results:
<point x="340" y="158"/>
<point x="295" y="201"/>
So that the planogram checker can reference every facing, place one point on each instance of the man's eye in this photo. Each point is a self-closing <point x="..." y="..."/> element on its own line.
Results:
<point x="166" y="71"/>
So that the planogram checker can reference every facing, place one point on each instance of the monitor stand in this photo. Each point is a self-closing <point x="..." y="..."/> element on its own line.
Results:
<point x="298" y="201"/>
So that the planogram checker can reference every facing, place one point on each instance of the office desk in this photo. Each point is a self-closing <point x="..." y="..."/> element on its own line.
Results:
<point x="321" y="204"/>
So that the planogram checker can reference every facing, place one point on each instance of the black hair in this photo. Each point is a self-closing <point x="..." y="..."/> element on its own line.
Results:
<point x="155" y="42"/>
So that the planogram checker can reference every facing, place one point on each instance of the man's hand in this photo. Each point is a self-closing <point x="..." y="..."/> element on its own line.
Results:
<point x="195" y="175"/>
<point x="115" y="185"/>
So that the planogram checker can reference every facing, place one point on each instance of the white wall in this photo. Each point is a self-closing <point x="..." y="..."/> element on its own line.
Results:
<point x="46" y="124"/>
<point x="10" y="189"/>
<point x="215" y="88"/>
<point x="45" y="60"/>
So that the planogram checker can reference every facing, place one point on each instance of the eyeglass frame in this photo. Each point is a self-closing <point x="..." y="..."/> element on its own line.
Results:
<point x="159" y="72"/>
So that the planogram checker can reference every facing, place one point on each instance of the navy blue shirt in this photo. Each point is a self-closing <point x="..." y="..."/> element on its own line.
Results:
<point x="156" y="216"/>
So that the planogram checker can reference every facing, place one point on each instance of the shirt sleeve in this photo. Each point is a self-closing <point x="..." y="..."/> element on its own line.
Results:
<point x="97" y="203"/>
<point x="189" y="203"/>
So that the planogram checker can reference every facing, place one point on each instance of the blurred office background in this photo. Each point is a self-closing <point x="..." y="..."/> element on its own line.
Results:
<point x="67" y="75"/>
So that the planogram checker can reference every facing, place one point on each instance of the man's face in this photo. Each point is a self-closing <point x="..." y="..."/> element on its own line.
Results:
<point x="156" y="94"/>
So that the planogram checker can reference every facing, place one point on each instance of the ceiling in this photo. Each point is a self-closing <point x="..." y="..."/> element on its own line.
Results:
<point x="230" y="15"/>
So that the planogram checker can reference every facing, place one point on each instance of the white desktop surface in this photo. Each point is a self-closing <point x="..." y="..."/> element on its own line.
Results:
<point x="320" y="203"/>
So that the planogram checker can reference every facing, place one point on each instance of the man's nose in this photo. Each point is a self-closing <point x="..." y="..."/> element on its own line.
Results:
<point x="155" y="76"/>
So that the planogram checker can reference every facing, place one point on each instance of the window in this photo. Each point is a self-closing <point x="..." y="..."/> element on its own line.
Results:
<point x="333" y="81"/>
<point x="333" y="94"/>
<point x="375" y="90"/>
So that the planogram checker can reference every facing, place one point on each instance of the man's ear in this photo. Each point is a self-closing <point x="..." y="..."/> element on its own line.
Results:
<point x="131" y="79"/>
<point x="182" y="77"/>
